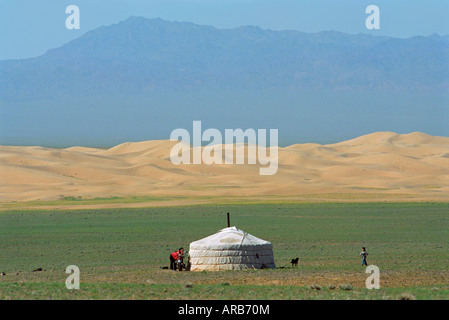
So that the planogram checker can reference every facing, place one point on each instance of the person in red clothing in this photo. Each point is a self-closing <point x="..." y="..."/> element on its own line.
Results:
<point x="174" y="256"/>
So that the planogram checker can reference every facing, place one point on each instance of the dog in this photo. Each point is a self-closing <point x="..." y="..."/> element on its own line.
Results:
<point x="294" y="262"/>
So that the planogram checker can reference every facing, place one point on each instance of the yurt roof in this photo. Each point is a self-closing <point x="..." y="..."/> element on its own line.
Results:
<point x="229" y="238"/>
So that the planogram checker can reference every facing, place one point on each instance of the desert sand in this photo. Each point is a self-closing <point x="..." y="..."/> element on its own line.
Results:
<point x="378" y="166"/>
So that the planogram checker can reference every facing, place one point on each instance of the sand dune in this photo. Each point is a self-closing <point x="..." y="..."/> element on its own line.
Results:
<point x="411" y="166"/>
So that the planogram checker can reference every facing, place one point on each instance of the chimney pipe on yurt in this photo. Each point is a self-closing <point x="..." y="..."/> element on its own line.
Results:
<point x="229" y="221"/>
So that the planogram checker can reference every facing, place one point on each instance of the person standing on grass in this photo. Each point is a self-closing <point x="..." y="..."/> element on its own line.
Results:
<point x="364" y="254"/>
<point x="174" y="257"/>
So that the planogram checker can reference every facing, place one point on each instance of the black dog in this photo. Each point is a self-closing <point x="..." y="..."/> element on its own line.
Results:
<point x="295" y="262"/>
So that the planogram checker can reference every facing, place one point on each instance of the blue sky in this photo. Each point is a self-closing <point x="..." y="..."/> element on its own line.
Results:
<point x="29" y="28"/>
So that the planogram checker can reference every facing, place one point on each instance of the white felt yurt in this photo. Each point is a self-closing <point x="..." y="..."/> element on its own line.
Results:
<point x="231" y="249"/>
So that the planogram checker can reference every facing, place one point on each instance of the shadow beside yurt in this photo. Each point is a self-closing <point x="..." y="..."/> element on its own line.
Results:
<point x="231" y="249"/>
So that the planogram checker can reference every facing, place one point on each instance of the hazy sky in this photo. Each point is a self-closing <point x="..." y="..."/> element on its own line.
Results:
<point x="29" y="28"/>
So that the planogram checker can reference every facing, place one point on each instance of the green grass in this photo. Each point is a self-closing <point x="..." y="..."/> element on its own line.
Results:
<point x="202" y="292"/>
<point x="120" y="251"/>
<point x="71" y="200"/>
<point x="148" y="201"/>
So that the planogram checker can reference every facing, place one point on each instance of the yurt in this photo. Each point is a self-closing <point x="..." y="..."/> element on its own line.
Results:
<point x="231" y="249"/>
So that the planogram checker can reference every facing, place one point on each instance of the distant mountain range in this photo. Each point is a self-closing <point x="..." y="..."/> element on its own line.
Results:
<point x="108" y="81"/>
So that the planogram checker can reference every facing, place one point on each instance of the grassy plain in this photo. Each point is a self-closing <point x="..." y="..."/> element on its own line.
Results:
<point x="120" y="252"/>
